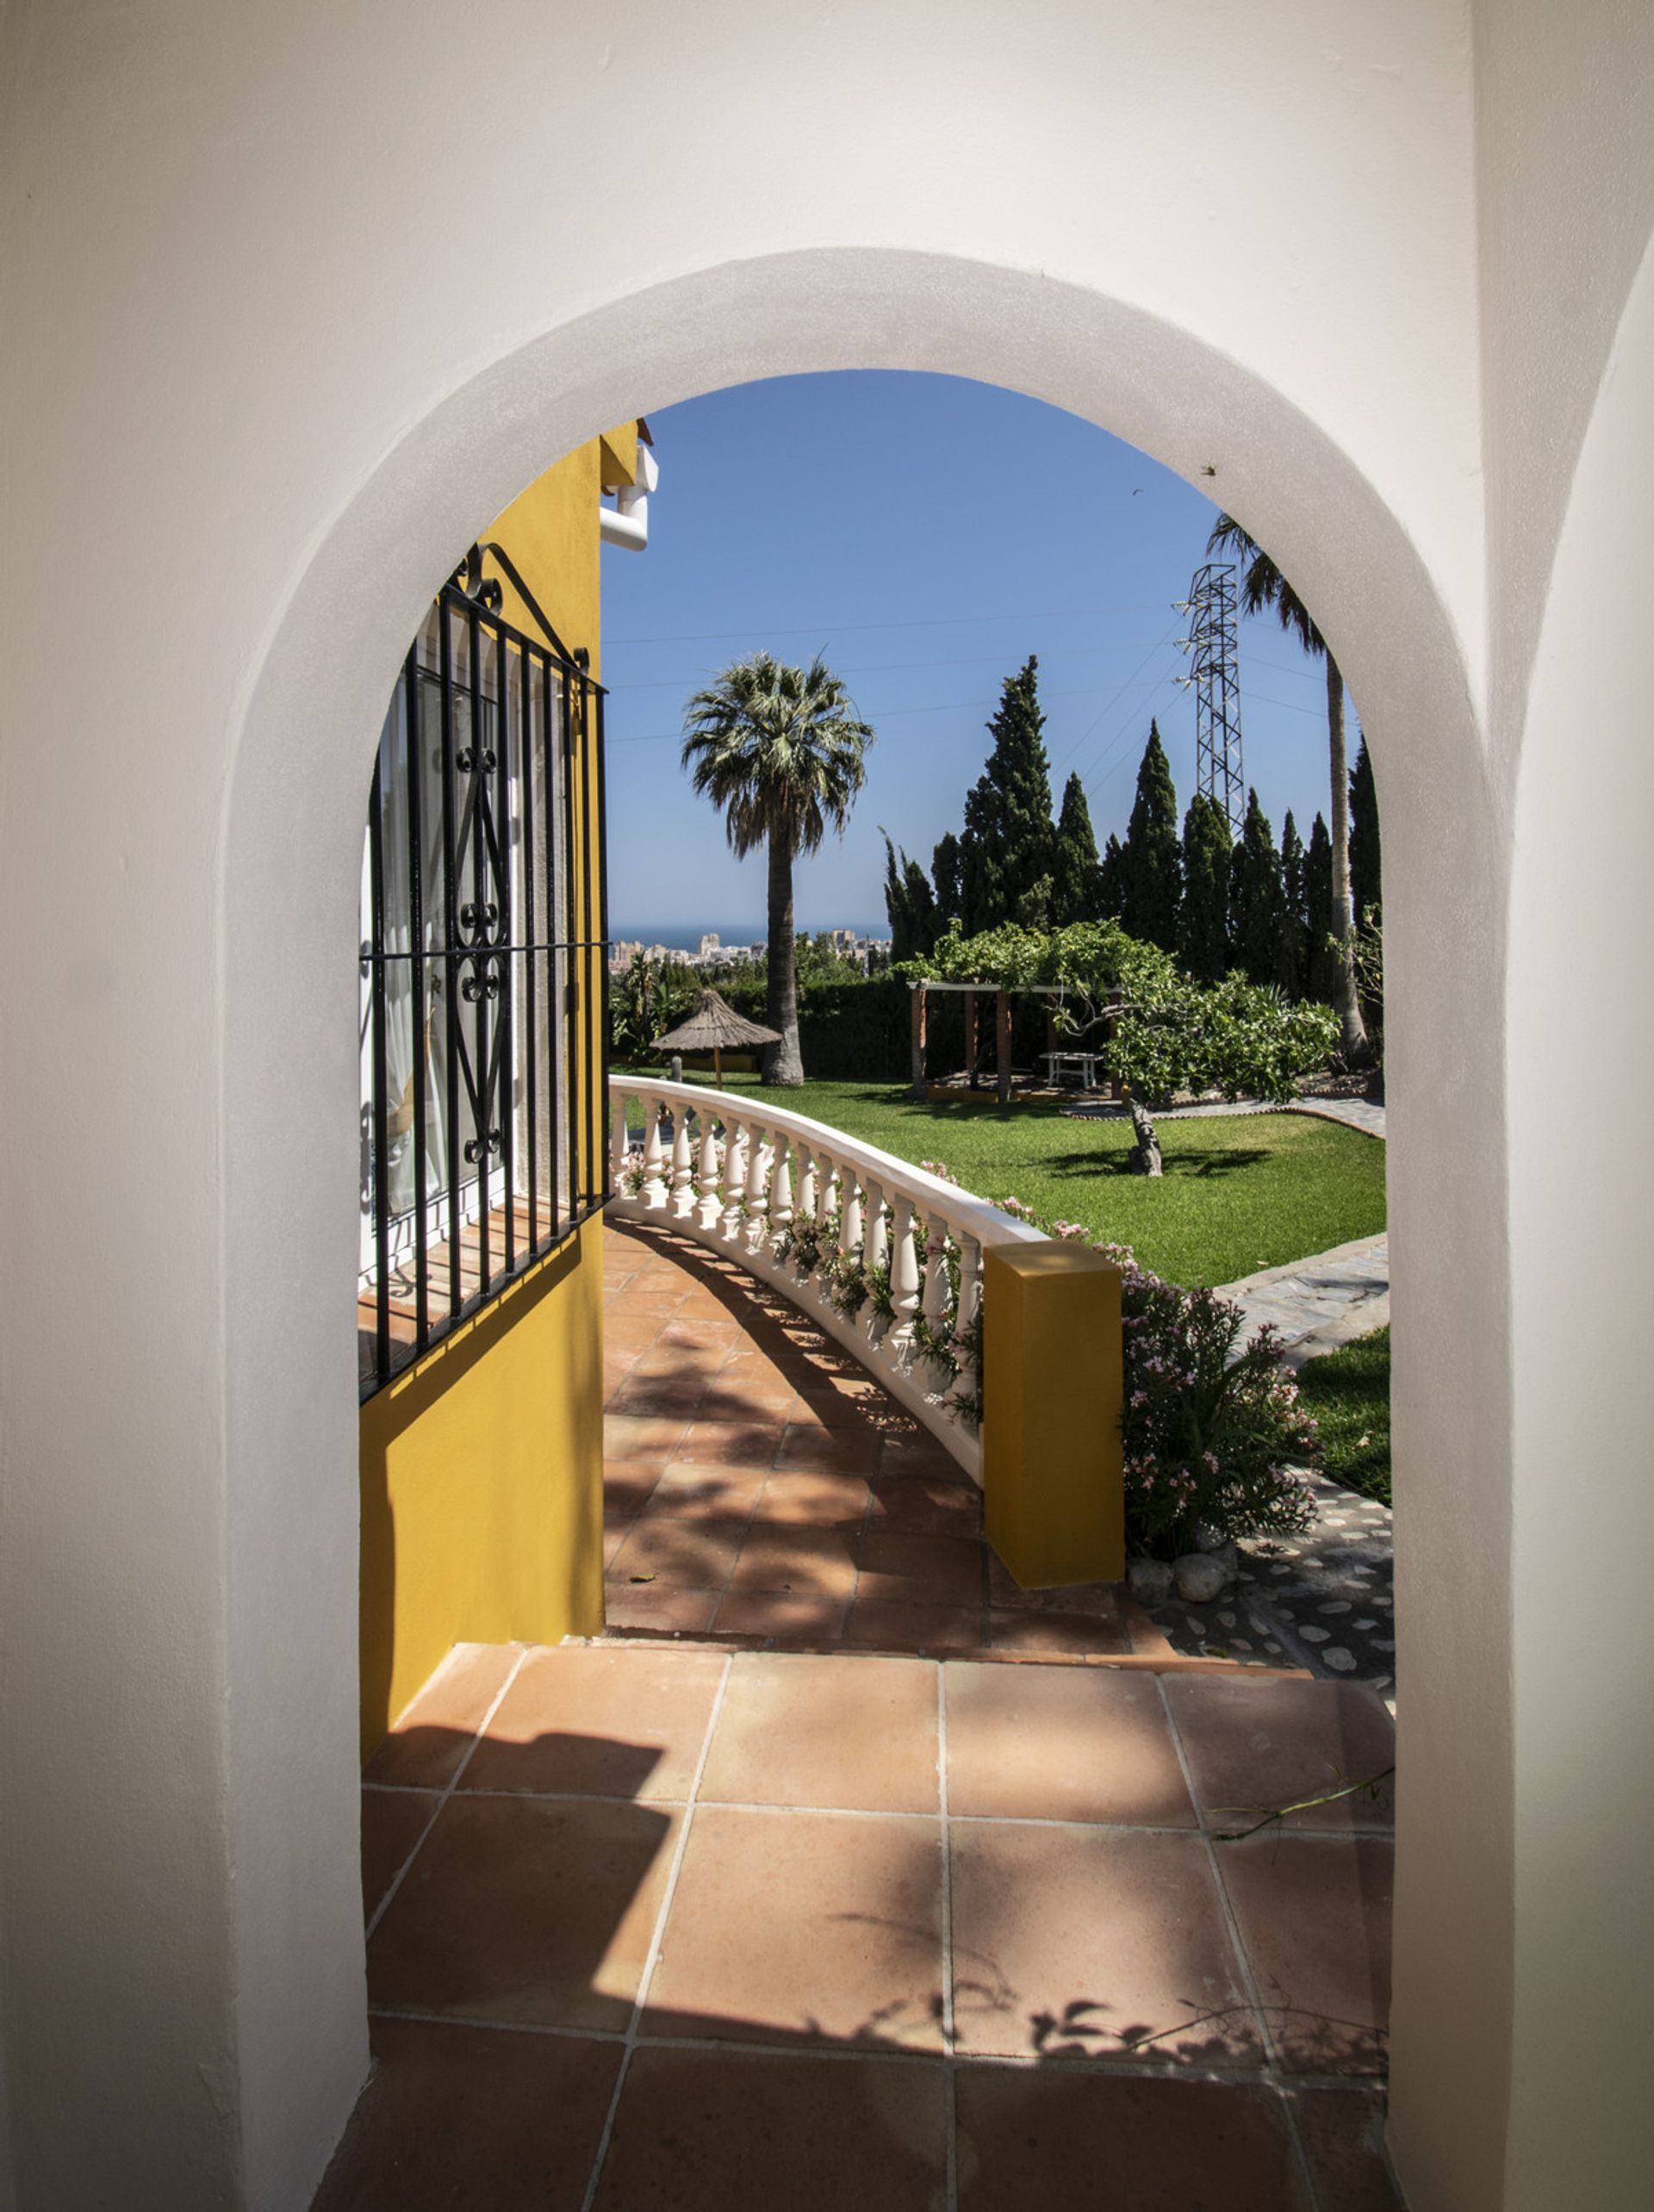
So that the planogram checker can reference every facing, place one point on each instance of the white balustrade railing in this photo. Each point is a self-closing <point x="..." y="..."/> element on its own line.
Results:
<point x="884" y="1257"/>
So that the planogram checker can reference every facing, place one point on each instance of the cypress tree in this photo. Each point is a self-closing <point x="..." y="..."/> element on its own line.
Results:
<point x="1076" y="888"/>
<point x="1320" y="966"/>
<point x="1111" y="879"/>
<point x="1257" y="907"/>
<point x="1295" y="935"/>
<point x="1152" y="863"/>
<point x="948" y="875"/>
<point x="1010" y="841"/>
<point x="1366" y="881"/>
<point x="909" y="903"/>
<point x="1203" y="917"/>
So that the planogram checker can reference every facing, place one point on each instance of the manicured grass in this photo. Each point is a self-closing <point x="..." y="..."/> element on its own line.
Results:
<point x="1239" y="1193"/>
<point x="1347" y="1392"/>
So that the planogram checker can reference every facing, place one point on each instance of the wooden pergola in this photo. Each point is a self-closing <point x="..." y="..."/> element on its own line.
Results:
<point x="1002" y="997"/>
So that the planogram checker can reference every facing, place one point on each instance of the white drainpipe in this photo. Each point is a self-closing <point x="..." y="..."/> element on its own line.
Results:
<point x="627" y="523"/>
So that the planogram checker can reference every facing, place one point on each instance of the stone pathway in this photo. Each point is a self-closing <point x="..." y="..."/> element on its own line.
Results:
<point x="1317" y="1304"/>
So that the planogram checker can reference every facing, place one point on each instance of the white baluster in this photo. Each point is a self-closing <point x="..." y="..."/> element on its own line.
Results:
<point x="735" y="1179"/>
<point x="781" y="1192"/>
<point x="875" y="1251"/>
<point x="807" y="1205"/>
<point x="935" y="1305"/>
<point x="617" y="1145"/>
<point x="682" y="1197"/>
<point x="904" y="1285"/>
<point x="708" y="1205"/>
<point x="654" y="1192"/>
<point x="849" y="1212"/>
<point x="759" y="1158"/>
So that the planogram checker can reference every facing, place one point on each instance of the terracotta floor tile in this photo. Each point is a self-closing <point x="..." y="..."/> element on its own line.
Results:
<point x="759" y="1367"/>
<point x="1253" y="1739"/>
<point x="701" y="1333"/>
<point x="517" y="1908"/>
<point x="696" y="1489"/>
<point x="679" y="1553"/>
<point x="1314" y="1914"/>
<point x="632" y="1609"/>
<point x="887" y="1625"/>
<point x="732" y="1444"/>
<point x="1342" y="2131"/>
<point x="627" y="1436"/>
<point x="710" y="2131"/>
<point x="933" y="1571"/>
<point x="428" y="1742"/>
<point x="615" y="1533"/>
<point x="809" y="1924"/>
<point x="758" y="1404"/>
<point x="628" y="1485"/>
<point x="851" y="1404"/>
<point x="1073" y="2137"/>
<point x="801" y="1561"/>
<point x="625" y="1331"/>
<point x="841" y="1451"/>
<point x="1093" y="1940"/>
<point x="468" y="2116"/>
<point x="762" y="1615"/>
<point x="1057" y="1634"/>
<point x="914" y="1451"/>
<point x="1060" y="1744"/>
<point x="667" y="1361"/>
<point x="580" y="1719"/>
<point x="836" y="1730"/>
<point x="803" y="1497"/>
<point x="393" y="1822"/>
<point x="660" y="1397"/>
<point x="925" y="1505"/>
<point x="658" y="1300"/>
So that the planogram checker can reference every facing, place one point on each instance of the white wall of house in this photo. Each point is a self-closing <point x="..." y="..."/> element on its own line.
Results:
<point x="267" y="364"/>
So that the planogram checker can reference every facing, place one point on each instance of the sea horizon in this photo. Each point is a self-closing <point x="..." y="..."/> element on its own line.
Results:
<point x="684" y="936"/>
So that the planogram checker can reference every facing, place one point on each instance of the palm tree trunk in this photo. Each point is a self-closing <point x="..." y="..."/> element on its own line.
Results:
<point x="782" y="1063"/>
<point x="1353" y="1030"/>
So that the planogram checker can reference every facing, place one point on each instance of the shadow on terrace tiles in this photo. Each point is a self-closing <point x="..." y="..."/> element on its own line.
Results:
<point x="537" y="1912"/>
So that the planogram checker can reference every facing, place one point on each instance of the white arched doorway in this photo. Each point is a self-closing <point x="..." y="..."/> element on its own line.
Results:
<point x="292" y="848"/>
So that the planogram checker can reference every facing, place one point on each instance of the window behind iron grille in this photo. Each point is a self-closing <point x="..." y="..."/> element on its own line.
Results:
<point x="483" y="1027"/>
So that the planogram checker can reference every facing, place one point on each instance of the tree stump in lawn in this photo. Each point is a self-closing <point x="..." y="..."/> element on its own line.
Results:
<point x="1144" y="1157"/>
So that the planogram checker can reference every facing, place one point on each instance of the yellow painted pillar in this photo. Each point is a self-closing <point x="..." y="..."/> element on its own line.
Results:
<point x="1053" y="1382"/>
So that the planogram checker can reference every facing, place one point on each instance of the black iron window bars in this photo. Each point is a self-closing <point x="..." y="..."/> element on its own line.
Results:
<point x="484" y="973"/>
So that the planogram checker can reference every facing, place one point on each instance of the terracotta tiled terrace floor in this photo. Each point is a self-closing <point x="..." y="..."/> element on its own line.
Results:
<point x="685" y="1920"/>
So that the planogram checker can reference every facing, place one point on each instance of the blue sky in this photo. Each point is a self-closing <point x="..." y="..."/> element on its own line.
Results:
<point x="926" y="535"/>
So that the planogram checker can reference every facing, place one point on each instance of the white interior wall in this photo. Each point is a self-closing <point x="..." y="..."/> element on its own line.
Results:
<point x="267" y="362"/>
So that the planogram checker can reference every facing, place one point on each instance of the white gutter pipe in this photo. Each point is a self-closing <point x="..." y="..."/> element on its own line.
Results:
<point x="627" y="523"/>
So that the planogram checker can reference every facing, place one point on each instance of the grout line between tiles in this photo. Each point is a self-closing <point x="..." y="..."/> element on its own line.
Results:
<point x="380" y="1909"/>
<point x="652" y="1957"/>
<point x="951" y="2112"/>
<point x="1249" y="1980"/>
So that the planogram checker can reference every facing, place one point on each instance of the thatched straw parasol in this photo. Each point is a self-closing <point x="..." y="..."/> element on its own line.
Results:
<point x="716" y="1027"/>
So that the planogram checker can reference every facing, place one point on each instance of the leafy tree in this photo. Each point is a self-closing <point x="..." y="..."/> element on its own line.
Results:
<point x="1152" y="862"/>
<point x="1257" y="908"/>
<point x="946" y="874"/>
<point x="1077" y="890"/>
<point x="910" y="904"/>
<point x="781" y="751"/>
<point x="1010" y="840"/>
<point x="1366" y="880"/>
<point x="1165" y="1032"/>
<point x="1112" y="879"/>
<point x="1295" y="935"/>
<point x="1263" y="586"/>
<point x="1321" y="958"/>
<point x="647" y="998"/>
<point x="1204" y="916"/>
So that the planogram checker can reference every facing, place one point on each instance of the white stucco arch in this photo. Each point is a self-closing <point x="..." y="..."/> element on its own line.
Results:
<point x="294" y="294"/>
<point x="292" y="845"/>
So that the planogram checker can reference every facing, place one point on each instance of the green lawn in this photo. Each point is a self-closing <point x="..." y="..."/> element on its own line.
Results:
<point x="1347" y="1392"/>
<point x="1239" y="1193"/>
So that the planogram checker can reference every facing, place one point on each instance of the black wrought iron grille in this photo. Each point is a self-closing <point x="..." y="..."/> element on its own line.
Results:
<point x="484" y="973"/>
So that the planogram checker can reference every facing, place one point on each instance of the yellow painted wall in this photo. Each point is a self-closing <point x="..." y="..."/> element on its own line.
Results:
<point x="481" y="1468"/>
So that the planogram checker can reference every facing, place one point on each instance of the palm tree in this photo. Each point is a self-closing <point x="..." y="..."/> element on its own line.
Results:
<point x="1262" y="585"/>
<point x="781" y="751"/>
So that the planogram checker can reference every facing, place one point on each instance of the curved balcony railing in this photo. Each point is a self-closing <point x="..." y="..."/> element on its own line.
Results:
<point x="884" y="1257"/>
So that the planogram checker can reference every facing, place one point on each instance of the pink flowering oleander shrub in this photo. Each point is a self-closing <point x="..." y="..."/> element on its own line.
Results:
<point x="1212" y="1429"/>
